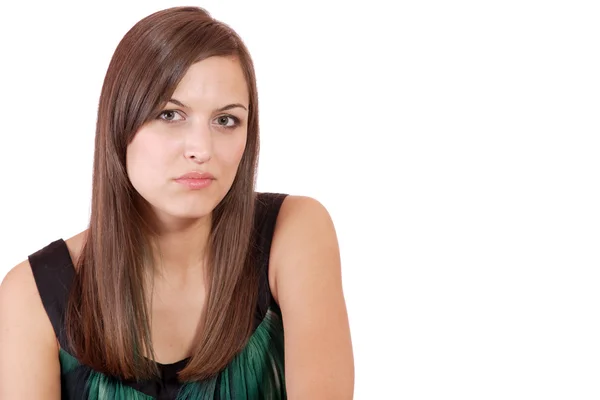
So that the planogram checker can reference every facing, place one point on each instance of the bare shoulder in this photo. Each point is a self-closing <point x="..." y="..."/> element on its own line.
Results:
<point x="305" y="275"/>
<point x="302" y="221"/>
<point x="18" y="292"/>
<point x="301" y="208"/>
<point x="27" y="341"/>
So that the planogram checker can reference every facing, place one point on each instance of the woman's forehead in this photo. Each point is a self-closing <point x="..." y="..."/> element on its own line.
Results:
<point x="215" y="80"/>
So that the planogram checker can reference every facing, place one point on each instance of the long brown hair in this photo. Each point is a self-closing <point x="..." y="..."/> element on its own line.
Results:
<point x="107" y="315"/>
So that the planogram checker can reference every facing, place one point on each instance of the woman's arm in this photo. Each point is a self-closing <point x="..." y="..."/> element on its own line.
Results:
<point x="29" y="366"/>
<point x="306" y="281"/>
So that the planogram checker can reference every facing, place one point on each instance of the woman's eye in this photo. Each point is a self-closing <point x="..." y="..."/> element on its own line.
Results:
<point x="227" y="121"/>
<point x="170" y="116"/>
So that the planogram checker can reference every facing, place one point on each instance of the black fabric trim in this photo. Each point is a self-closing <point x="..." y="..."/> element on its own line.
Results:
<point x="53" y="273"/>
<point x="268" y="206"/>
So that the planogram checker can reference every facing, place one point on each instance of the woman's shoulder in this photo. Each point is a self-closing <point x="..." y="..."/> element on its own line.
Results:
<point x="18" y="289"/>
<point x="19" y="286"/>
<point x="302" y="221"/>
<point x="19" y="296"/>
<point x="27" y="337"/>
<point x="36" y="288"/>
<point x="27" y="342"/>
<point x="291" y="215"/>
<point x="298" y="212"/>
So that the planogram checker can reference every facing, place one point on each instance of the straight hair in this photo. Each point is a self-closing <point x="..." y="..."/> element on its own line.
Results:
<point x="107" y="316"/>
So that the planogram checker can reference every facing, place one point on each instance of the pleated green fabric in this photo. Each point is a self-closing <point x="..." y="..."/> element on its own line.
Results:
<point x="99" y="386"/>
<point x="256" y="373"/>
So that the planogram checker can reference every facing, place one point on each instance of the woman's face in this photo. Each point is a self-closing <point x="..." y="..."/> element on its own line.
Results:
<point x="203" y="129"/>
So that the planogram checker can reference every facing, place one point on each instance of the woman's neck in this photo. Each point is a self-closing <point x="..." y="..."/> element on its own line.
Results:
<point x="180" y="246"/>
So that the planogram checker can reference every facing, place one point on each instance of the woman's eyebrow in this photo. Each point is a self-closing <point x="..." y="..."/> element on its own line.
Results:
<point x="225" y="108"/>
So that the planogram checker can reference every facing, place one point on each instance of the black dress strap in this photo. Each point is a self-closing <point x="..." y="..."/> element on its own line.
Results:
<point x="267" y="210"/>
<point x="53" y="272"/>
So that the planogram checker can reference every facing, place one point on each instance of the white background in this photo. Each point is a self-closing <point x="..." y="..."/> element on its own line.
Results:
<point x="456" y="145"/>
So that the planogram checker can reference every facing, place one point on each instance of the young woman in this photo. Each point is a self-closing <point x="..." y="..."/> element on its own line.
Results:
<point x="186" y="279"/>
